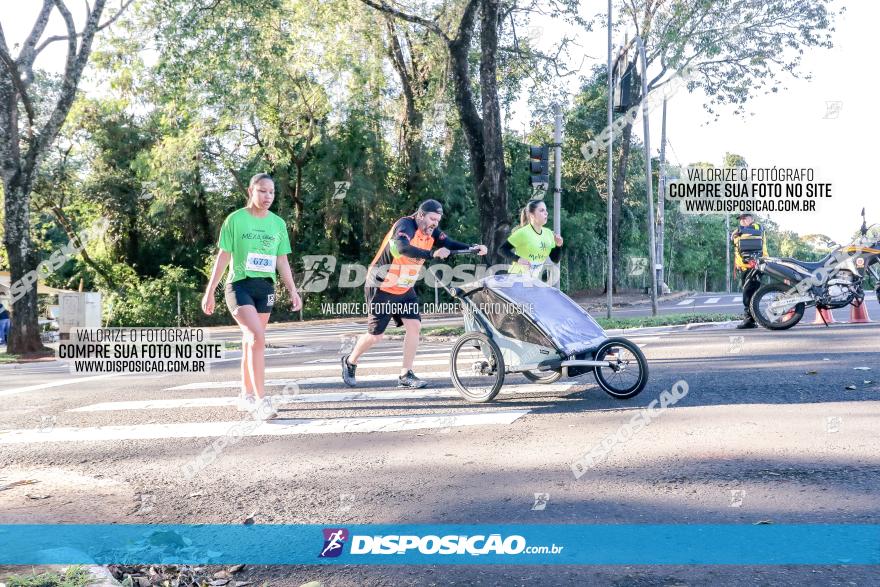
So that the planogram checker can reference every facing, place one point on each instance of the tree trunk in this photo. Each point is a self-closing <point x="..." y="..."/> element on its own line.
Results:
<point x="281" y="176"/>
<point x="17" y="169"/>
<point x="132" y="241"/>
<point x="413" y="119"/>
<point x="483" y="136"/>
<point x="617" y="203"/>
<point x="24" y="333"/>
<point x="297" y="205"/>
<point x="200" y="211"/>
<point x="494" y="222"/>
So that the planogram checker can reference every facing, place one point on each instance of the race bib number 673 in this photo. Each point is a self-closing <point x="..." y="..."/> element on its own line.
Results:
<point x="258" y="262"/>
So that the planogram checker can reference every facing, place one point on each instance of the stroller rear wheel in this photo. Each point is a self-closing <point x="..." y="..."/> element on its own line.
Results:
<point x="477" y="367"/>
<point x="543" y="376"/>
<point x="627" y="372"/>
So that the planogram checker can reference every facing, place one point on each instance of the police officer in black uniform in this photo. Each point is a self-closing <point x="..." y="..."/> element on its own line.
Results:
<point x="749" y="245"/>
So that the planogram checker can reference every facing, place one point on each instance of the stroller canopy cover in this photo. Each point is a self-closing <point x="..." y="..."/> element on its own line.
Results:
<point x="565" y="322"/>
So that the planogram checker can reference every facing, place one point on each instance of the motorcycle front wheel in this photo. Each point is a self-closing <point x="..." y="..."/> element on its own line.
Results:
<point x="760" y="306"/>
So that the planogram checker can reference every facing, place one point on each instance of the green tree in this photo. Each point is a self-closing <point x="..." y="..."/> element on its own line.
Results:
<point x="25" y="141"/>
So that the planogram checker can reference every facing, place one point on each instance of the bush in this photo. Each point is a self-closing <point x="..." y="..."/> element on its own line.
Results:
<point x="143" y="302"/>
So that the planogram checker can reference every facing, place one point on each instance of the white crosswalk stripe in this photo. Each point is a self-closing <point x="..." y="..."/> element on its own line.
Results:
<point x="685" y="302"/>
<point x="362" y="365"/>
<point x="135" y="419"/>
<point x="712" y="300"/>
<point x="50" y="384"/>
<point x="391" y="378"/>
<point x="328" y="397"/>
<point x="277" y="427"/>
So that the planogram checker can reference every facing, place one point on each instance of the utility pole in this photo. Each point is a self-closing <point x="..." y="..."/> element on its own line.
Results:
<point x="727" y="252"/>
<point x="557" y="169"/>
<point x="610" y="187"/>
<point x="661" y="203"/>
<point x="649" y="180"/>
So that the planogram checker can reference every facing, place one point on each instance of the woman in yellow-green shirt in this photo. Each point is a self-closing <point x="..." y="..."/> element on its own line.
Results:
<point x="531" y="244"/>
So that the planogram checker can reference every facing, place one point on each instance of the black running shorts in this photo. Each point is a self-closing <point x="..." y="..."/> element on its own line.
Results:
<point x="258" y="292"/>
<point x="384" y="306"/>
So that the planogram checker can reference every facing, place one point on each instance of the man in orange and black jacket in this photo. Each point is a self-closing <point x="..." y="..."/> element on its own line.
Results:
<point x="410" y="242"/>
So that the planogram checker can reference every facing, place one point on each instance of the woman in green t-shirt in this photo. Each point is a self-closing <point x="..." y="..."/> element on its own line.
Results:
<point x="256" y="242"/>
<point x="530" y="245"/>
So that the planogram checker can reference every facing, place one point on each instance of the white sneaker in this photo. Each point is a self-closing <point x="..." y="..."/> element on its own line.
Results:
<point x="265" y="410"/>
<point x="246" y="403"/>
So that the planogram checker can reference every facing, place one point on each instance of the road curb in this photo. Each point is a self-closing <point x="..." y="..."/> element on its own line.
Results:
<point x="667" y="298"/>
<point x="677" y="327"/>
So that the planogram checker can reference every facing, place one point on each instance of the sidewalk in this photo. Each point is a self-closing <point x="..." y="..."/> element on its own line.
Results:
<point x="594" y="301"/>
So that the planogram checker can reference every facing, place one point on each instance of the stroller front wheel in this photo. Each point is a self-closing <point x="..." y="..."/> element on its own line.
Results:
<point x="477" y="367"/>
<point x="627" y="372"/>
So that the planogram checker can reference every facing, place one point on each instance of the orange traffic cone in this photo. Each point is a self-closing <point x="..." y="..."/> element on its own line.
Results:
<point x="859" y="313"/>
<point x="826" y="314"/>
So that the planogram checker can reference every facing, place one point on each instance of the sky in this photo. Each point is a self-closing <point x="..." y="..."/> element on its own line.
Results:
<point x="827" y="124"/>
<point x="796" y="127"/>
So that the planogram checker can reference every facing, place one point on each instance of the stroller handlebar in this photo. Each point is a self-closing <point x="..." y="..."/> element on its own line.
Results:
<point x="454" y="291"/>
<point x="470" y="251"/>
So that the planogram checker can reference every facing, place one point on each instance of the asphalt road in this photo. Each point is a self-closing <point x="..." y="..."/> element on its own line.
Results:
<point x="768" y="431"/>
<point x="727" y="303"/>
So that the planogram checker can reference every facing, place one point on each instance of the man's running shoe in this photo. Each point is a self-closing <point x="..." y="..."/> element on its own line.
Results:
<point x="410" y="381"/>
<point x="265" y="410"/>
<point x="348" y="371"/>
<point x="246" y="403"/>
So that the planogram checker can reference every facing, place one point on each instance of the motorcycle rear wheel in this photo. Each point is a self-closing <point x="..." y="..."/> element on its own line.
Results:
<point x="766" y="295"/>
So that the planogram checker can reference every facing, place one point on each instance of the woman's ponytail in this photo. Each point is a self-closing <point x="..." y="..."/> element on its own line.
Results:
<point x="529" y="208"/>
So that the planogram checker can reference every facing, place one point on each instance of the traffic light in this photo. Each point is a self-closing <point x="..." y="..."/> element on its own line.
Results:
<point x="626" y="92"/>
<point x="539" y="166"/>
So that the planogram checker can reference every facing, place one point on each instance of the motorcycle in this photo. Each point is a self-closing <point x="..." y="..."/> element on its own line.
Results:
<point x="833" y="282"/>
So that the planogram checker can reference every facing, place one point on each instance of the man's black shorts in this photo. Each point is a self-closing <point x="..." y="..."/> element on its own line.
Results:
<point x="258" y="292"/>
<point x="384" y="306"/>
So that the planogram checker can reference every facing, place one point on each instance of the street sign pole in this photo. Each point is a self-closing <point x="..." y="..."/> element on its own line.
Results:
<point x="610" y="188"/>
<point x="557" y="170"/>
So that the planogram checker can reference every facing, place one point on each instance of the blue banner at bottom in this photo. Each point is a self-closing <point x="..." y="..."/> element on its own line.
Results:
<point x="563" y="544"/>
